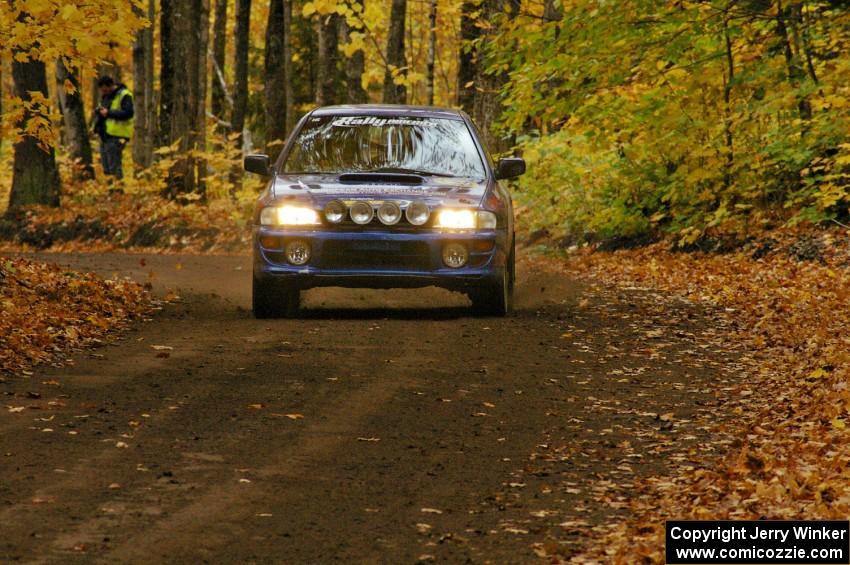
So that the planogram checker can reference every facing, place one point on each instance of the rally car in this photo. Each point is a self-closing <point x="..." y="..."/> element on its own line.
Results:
<point x="383" y="196"/>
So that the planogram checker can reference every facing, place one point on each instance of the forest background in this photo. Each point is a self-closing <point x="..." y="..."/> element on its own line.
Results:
<point x="639" y="118"/>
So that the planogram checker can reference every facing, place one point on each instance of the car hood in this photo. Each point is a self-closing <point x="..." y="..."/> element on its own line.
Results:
<point x="435" y="191"/>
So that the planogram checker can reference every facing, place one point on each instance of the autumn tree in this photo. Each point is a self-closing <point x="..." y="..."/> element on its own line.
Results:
<point x="488" y="81"/>
<point x="467" y="56"/>
<point x="355" y="65"/>
<point x="432" y="52"/>
<point x="143" y="87"/>
<point x="76" y="136"/>
<point x="289" y="91"/>
<point x="35" y="34"/>
<point x="395" y="91"/>
<point x="186" y="42"/>
<point x="35" y="178"/>
<point x="275" y="78"/>
<point x="218" y="87"/>
<point x="327" y="59"/>
<point x="240" y="68"/>
<point x="168" y="69"/>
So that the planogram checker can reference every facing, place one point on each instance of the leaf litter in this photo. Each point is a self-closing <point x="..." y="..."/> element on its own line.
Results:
<point x="47" y="312"/>
<point x="787" y="452"/>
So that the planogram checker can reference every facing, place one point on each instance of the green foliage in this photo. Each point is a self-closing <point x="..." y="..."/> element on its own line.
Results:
<point x="680" y="117"/>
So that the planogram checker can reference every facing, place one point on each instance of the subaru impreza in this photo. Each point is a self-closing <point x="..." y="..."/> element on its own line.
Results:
<point x="383" y="196"/>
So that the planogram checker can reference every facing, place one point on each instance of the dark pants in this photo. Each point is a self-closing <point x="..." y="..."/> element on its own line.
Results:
<point x="110" y="155"/>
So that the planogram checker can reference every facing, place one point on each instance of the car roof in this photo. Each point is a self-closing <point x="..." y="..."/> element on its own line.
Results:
<point x="388" y="110"/>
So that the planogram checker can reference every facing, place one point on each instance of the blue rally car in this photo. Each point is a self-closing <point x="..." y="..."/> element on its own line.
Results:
<point x="376" y="196"/>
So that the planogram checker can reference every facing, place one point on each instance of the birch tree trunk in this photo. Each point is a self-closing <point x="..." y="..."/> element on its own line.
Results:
<point x="219" y="51"/>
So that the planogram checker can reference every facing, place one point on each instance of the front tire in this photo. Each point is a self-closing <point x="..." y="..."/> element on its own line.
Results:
<point x="274" y="299"/>
<point x="497" y="297"/>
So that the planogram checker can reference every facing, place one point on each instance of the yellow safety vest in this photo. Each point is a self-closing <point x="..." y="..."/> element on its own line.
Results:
<point x="120" y="128"/>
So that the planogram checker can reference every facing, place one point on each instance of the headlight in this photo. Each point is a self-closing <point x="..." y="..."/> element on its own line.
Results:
<point x="456" y="219"/>
<point x="417" y="213"/>
<point x="465" y="219"/>
<point x="335" y="211"/>
<point x="289" y="216"/>
<point x="389" y="213"/>
<point x="361" y="212"/>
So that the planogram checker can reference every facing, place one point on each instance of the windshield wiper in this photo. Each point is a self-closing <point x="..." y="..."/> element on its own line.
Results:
<point x="403" y="170"/>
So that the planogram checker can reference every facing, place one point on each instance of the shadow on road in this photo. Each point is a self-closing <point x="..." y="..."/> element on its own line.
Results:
<point x="452" y="313"/>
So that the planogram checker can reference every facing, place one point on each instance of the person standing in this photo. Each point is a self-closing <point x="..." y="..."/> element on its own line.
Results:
<point x="114" y="124"/>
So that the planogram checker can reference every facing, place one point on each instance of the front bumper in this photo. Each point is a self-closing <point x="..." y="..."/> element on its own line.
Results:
<point x="379" y="258"/>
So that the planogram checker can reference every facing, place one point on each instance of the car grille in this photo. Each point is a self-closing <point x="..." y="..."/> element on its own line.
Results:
<point x="403" y="225"/>
<point x="365" y="254"/>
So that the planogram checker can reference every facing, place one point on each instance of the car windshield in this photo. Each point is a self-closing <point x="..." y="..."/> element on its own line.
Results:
<point x="397" y="144"/>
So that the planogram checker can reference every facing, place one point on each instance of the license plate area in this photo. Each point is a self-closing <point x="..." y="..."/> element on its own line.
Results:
<point x="376" y="245"/>
<point x="375" y="254"/>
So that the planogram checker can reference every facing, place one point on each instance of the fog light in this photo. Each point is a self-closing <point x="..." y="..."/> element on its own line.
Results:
<point x="298" y="252"/>
<point x="455" y="255"/>
<point x="389" y="213"/>
<point x="362" y="213"/>
<point x="335" y="211"/>
<point x="418" y="213"/>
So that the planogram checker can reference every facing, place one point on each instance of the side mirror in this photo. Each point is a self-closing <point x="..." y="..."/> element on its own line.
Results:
<point x="510" y="167"/>
<point x="259" y="164"/>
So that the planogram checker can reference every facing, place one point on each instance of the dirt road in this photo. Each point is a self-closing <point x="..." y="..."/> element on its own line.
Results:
<point x="381" y="427"/>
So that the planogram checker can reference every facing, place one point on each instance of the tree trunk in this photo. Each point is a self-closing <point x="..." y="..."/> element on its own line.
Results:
<point x="240" y="67"/>
<point x="143" y="93"/>
<point x="289" y="91"/>
<point x="200" y="95"/>
<point x="35" y="177"/>
<point x="784" y="18"/>
<point x="487" y="106"/>
<point x="74" y="119"/>
<point x="188" y="37"/>
<point x="168" y="68"/>
<point x="219" y="50"/>
<point x="467" y="61"/>
<point x="275" y="87"/>
<point x="354" y="67"/>
<point x="1" y="110"/>
<point x="551" y="11"/>
<point x="728" y="84"/>
<point x="432" y="52"/>
<point x="242" y="34"/>
<point x="396" y="62"/>
<point x="328" y="56"/>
